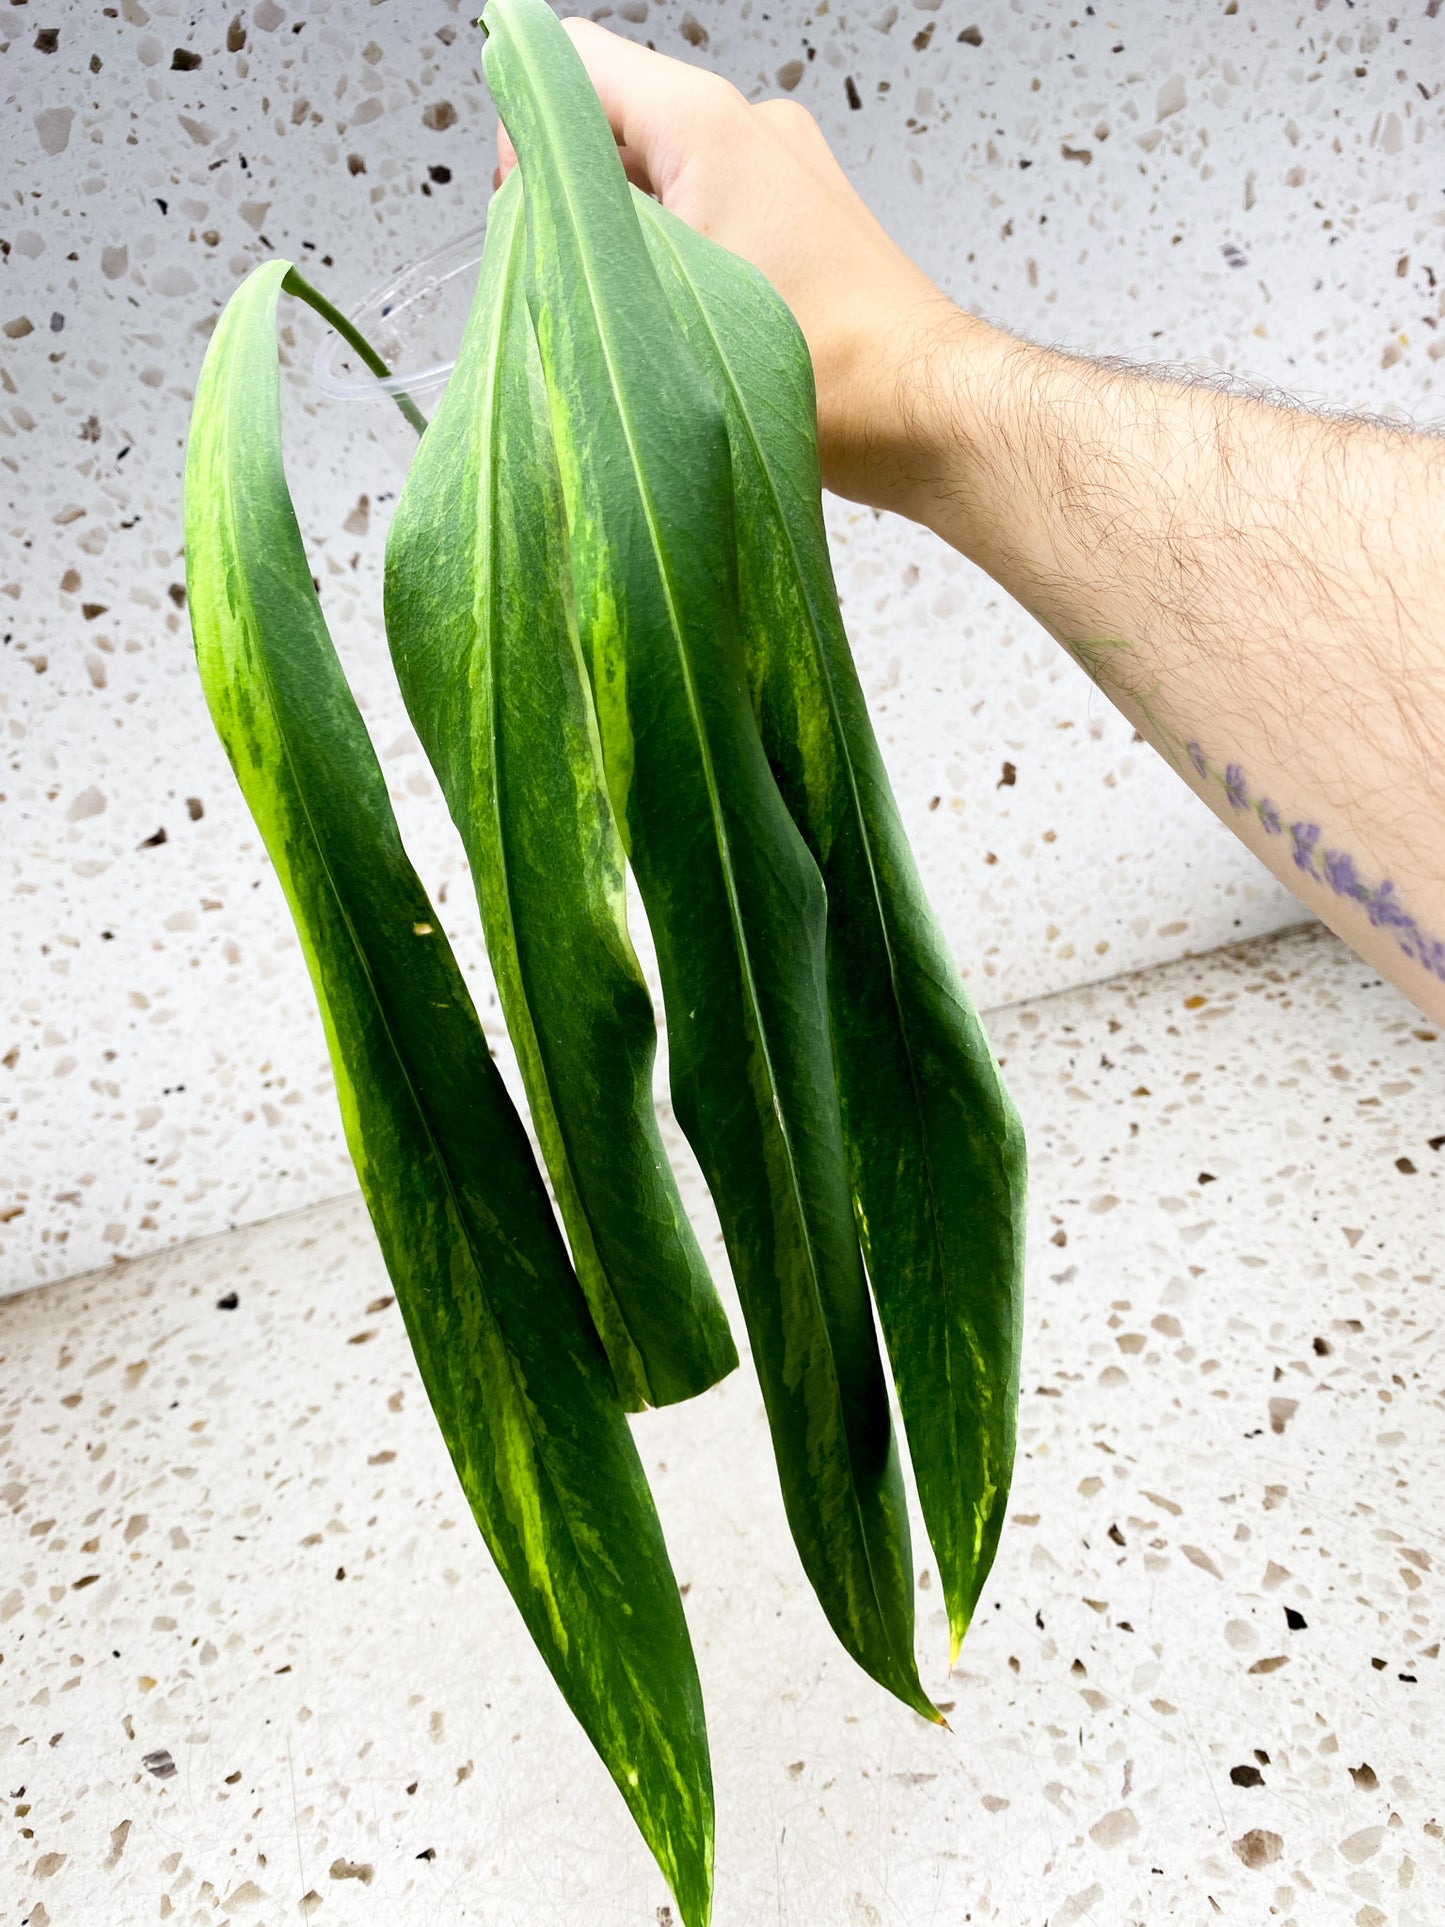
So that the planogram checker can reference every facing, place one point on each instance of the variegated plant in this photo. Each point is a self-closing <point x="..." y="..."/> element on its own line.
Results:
<point x="612" y="615"/>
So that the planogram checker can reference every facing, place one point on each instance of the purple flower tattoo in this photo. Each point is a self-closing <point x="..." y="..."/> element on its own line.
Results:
<point x="1305" y="836"/>
<point x="1342" y="877"/>
<point x="1386" y="910"/>
<point x="1336" y="868"/>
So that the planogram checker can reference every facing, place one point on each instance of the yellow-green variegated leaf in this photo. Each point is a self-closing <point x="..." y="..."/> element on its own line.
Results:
<point x="935" y="1147"/>
<point x="478" y="612"/>
<point x="733" y="898"/>
<point x="511" y="1363"/>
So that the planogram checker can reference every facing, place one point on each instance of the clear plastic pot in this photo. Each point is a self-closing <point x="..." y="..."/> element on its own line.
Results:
<point x="414" y="322"/>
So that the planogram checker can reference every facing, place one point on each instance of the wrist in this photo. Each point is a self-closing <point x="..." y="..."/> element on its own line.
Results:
<point x="917" y="410"/>
<point x="951" y="411"/>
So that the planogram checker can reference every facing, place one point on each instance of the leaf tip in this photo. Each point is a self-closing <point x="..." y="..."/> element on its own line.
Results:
<point x="960" y="1617"/>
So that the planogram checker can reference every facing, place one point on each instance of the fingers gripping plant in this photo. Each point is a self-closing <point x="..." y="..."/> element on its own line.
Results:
<point x="612" y="615"/>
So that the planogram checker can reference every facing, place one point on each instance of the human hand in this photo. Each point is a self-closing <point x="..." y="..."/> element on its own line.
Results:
<point x="761" y="181"/>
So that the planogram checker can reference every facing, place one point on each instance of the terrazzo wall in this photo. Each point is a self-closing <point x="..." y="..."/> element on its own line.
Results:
<point x="1242" y="184"/>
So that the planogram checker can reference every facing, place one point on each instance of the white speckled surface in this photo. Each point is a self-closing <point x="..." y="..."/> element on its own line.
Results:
<point x="1256" y="189"/>
<point x="1205" y="1682"/>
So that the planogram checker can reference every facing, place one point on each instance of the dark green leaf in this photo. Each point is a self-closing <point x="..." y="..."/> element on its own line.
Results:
<point x="510" y="1360"/>
<point x="935" y="1149"/>
<point x="478" y="610"/>
<point x="734" y="900"/>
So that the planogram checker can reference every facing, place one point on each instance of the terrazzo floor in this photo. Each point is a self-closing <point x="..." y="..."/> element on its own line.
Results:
<point x="255" y="1666"/>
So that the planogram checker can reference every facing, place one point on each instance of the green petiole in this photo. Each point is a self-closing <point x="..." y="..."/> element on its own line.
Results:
<point x="297" y="284"/>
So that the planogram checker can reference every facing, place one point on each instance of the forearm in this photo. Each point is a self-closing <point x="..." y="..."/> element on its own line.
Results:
<point x="1260" y="590"/>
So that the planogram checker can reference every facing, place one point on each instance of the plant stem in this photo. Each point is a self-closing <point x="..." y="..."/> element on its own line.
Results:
<point x="298" y="285"/>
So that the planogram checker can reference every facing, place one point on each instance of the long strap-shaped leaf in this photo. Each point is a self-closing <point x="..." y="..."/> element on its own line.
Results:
<point x="733" y="898"/>
<point x="516" y="1376"/>
<point x="935" y="1148"/>
<point x="479" y="617"/>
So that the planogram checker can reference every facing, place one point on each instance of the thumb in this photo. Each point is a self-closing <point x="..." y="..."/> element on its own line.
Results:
<point x="506" y="156"/>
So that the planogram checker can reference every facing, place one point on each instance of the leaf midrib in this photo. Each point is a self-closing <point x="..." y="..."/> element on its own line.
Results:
<point x="487" y="578"/>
